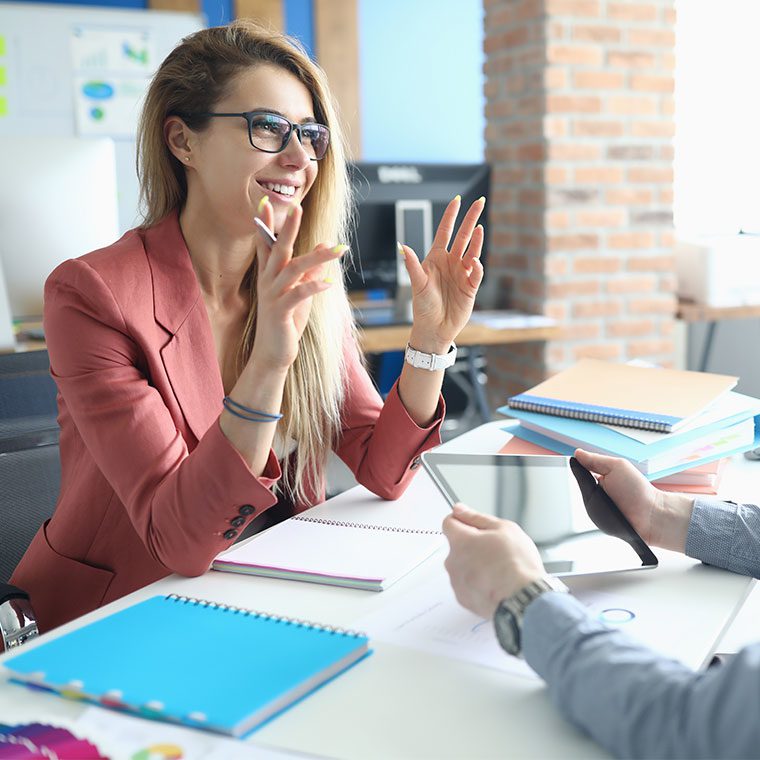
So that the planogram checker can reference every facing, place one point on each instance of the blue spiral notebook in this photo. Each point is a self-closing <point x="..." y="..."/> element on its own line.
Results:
<point x="191" y="662"/>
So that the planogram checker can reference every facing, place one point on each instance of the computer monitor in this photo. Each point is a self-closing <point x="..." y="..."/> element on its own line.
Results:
<point x="57" y="201"/>
<point x="403" y="202"/>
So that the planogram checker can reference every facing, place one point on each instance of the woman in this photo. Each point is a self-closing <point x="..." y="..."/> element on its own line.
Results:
<point x="202" y="375"/>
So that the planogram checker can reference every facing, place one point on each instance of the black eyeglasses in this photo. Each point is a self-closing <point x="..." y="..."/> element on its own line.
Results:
<point x="271" y="133"/>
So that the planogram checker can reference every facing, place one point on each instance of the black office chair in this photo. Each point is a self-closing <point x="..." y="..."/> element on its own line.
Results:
<point x="28" y="407"/>
<point x="30" y="475"/>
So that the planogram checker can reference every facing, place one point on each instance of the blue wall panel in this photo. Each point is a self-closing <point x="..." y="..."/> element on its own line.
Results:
<point x="299" y="22"/>
<point x="217" y="12"/>
<point x="421" y="69"/>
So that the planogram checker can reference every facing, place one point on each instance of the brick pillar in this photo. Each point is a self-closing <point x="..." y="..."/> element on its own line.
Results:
<point x="579" y="128"/>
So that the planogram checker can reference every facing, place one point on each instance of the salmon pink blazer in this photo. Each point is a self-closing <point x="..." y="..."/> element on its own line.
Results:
<point x="150" y="485"/>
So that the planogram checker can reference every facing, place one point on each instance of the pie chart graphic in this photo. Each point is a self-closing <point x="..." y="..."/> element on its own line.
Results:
<point x="159" y="752"/>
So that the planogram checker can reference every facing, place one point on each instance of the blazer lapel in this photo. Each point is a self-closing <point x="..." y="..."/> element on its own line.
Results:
<point x="190" y="355"/>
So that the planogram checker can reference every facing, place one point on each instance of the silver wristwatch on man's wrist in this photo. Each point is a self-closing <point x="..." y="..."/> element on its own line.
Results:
<point x="432" y="362"/>
<point x="508" y="618"/>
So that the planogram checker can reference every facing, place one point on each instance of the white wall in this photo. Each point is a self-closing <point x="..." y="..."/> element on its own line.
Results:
<point x="717" y="149"/>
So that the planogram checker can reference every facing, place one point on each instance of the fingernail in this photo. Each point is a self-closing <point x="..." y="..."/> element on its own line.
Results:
<point x="340" y="248"/>
<point x="400" y="249"/>
<point x="292" y="208"/>
<point x="482" y="198"/>
<point x="329" y="280"/>
<point x="263" y="202"/>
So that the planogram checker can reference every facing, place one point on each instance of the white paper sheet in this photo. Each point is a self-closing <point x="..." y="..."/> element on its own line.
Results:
<point x="430" y="619"/>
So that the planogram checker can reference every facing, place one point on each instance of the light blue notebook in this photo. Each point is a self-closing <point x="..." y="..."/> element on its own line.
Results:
<point x="192" y="662"/>
<point x="562" y="448"/>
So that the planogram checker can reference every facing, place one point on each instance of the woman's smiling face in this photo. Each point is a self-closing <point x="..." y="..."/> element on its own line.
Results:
<point x="231" y="175"/>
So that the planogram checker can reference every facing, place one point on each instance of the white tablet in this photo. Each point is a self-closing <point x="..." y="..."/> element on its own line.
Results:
<point x="578" y="529"/>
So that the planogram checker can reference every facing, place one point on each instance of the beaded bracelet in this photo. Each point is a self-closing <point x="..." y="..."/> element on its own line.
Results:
<point x="246" y="413"/>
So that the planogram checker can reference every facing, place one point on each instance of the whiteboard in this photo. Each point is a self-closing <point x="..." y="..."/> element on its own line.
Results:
<point x="59" y="59"/>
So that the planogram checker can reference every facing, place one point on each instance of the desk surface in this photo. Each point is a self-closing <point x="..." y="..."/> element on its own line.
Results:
<point x="406" y="703"/>
<point x="689" y="311"/>
<point x="379" y="338"/>
<point x="376" y="339"/>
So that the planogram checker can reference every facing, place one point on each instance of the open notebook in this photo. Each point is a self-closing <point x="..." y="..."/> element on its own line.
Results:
<point x="357" y="540"/>
<point x="168" y="658"/>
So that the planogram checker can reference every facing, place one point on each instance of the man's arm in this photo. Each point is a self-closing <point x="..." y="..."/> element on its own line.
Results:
<point x="726" y="535"/>
<point x="633" y="701"/>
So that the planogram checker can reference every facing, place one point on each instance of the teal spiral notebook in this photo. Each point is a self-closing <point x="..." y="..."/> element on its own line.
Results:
<point x="192" y="662"/>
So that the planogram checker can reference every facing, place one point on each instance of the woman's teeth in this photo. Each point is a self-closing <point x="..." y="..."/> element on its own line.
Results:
<point x="287" y="190"/>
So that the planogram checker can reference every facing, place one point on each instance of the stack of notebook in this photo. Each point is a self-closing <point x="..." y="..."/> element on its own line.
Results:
<point x="702" y="479"/>
<point x="666" y="422"/>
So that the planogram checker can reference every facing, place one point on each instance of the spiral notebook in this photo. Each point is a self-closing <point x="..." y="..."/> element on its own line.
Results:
<point x="356" y="540"/>
<point x="191" y="661"/>
<point x="352" y="554"/>
<point x="651" y="398"/>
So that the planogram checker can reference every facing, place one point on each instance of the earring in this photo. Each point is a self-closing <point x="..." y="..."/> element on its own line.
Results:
<point x="187" y="158"/>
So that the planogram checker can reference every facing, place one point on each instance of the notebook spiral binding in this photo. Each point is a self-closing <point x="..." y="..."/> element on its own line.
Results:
<point x="331" y="629"/>
<point x="573" y="412"/>
<point x="389" y="528"/>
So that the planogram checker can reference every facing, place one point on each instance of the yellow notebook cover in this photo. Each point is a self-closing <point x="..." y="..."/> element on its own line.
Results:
<point x="651" y="398"/>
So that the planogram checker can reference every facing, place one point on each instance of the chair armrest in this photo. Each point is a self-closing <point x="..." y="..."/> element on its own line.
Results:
<point x="17" y="621"/>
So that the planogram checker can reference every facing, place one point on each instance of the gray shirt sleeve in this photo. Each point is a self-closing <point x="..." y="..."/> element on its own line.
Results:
<point x="726" y="535"/>
<point x="635" y="702"/>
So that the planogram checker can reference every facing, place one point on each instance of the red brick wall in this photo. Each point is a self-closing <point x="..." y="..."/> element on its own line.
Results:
<point x="579" y="128"/>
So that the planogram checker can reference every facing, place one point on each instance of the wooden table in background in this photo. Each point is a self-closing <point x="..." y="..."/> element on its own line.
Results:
<point x="394" y="337"/>
<point x="689" y="311"/>
<point x="474" y="337"/>
<point x="381" y="338"/>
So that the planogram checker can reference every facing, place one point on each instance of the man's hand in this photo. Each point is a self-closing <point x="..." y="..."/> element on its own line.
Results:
<point x="489" y="559"/>
<point x="661" y="519"/>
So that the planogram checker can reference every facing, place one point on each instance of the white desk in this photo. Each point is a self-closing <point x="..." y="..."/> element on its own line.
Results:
<point x="406" y="703"/>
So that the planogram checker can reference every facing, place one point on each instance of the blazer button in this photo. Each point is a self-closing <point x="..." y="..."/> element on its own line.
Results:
<point x="230" y="534"/>
<point x="416" y="462"/>
<point x="236" y="522"/>
<point x="246" y="510"/>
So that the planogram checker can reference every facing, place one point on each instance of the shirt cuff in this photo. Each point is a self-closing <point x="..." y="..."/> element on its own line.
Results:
<point x="235" y="469"/>
<point x="711" y="530"/>
<point x="394" y="399"/>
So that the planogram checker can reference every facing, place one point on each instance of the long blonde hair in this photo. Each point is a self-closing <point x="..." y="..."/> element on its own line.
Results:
<point x="193" y="78"/>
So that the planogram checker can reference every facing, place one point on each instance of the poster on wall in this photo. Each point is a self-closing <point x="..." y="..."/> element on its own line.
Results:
<point x="112" y="68"/>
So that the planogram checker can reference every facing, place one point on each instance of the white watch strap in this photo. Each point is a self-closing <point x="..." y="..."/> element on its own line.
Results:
<point x="432" y="362"/>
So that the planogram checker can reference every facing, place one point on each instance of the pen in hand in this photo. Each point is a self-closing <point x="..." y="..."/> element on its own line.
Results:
<point x="265" y="231"/>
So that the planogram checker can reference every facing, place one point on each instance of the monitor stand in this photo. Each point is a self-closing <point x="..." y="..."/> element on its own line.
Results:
<point x="402" y="305"/>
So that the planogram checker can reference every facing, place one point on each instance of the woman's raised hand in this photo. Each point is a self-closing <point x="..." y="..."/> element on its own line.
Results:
<point x="285" y="288"/>
<point x="444" y="285"/>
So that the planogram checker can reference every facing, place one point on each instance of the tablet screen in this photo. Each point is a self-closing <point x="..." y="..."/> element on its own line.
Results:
<point x="541" y="494"/>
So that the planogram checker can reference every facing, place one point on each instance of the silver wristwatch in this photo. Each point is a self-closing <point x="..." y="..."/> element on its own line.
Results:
<point x="433" y="362"/>
<point x="508" y="618"/>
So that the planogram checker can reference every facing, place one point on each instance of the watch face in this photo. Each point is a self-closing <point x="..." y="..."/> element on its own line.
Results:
<point x="507" y="630"/>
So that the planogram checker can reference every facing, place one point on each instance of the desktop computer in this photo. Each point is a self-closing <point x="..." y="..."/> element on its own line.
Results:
<point x="58" y="200"/>
<point x="405" y="202"/>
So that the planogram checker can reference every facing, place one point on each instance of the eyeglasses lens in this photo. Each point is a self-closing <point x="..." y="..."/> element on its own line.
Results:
<point x="270" y="133"/>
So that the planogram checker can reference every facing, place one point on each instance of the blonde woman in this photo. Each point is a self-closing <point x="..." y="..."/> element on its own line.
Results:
<point x="203" y="375"/>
